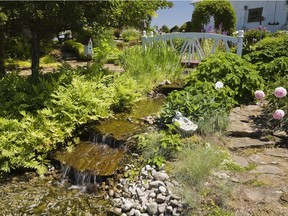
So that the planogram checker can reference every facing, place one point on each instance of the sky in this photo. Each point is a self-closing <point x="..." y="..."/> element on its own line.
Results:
<point x="180" y="13"/>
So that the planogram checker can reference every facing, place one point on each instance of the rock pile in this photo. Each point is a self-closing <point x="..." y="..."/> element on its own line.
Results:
<point x="151" y="195"/>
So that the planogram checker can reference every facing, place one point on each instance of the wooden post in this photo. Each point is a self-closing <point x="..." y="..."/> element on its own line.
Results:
<point x="240" y="42"/>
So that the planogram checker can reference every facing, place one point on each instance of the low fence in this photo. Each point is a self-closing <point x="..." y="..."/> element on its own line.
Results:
<point x="192" y="49"/>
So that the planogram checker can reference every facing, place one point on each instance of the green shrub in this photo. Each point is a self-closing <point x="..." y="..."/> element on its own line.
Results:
<point x="105" y="50"/>
<point x="274" y="70"/>
<point x="236" y="73"/>
<point x="222" y="11"/>
<point x="252" y="36"/>
<point x="17" y="48"/>
<point x="274" y="104"/>
<point x="175" y="29"/>
<point x="18" y="94"/>
<point x="196" y="105"/>
<point x="268" y="49"/>
<point x="48" y="59"/>
<point x="130" y="34"/>
<point x="165" y="29"/>
<point x="156" y="147"/>
<point x="186" y="27"/>
<point x="74" y="47"/>
<point x="81" y="101"/>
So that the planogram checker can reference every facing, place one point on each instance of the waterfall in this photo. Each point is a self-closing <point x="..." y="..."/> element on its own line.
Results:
<point x="91" y="162"/>
<point x="106" y="139"/>
<point x="78" y="177"/>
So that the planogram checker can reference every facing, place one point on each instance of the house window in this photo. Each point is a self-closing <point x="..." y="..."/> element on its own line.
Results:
<point x="254" y="14"/>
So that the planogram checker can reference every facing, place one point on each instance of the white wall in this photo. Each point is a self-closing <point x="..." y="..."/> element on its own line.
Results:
<point x="269" y="12"/>
<point x="281" y="14"/>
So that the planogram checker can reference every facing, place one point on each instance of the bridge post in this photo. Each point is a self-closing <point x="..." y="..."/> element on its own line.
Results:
<point x="144" y="40"/>
<point x="240" y="37"/>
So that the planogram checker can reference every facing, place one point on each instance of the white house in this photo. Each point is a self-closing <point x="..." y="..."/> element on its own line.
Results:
<point x="271" y="14"/>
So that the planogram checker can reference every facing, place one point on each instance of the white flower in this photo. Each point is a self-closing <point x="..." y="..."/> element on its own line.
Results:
<point x="219" y="85"/>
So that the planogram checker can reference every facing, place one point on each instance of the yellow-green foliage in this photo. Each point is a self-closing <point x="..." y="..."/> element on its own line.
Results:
<point x="48" y="113"/>
<point x="124" y="93"/>
<point x="130" y="34"/>
<point x="74" y="47"/>
<point x="12" y="64"/>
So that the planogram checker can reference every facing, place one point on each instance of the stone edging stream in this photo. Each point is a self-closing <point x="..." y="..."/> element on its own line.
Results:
<point x="151" y="194"/>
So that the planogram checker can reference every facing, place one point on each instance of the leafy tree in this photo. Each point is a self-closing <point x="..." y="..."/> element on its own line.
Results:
<point x="175" y="28"/>
<point x="134" y="13"/>
<point x="222" y="11"/>
<point x="187" y="27"/>
<point x="3" y="19"/>
<point x="165" y="29"/>
<point x="45" y="18"/>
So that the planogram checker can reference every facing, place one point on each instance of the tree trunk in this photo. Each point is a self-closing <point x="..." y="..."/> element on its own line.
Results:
<point x="2" y="44"/>
<point x="35" y="56"/>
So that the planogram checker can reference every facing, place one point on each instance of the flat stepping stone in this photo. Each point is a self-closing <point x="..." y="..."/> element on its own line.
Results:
<point x="240" y="160"/>
<point x="241" y="123"/>
<point x="267" y="169"/>
<point x="262" y="194"/>
<point x="277" y="152"/>
<point x="273" y="180"/>
<point x="246" y="142"/>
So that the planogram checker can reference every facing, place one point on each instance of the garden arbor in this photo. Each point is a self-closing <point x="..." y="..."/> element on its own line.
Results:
<point x="222" y="11"/>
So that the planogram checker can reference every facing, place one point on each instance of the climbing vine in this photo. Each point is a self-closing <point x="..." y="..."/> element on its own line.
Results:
<point x="222" y="11"/>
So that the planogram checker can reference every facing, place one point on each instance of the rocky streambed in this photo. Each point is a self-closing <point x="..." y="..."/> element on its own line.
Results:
<point x="30" y="194"/>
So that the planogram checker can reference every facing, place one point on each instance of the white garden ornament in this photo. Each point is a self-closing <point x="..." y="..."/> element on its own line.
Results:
<point x="183" y="124"/>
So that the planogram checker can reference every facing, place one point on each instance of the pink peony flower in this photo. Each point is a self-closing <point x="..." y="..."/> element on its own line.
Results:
<point x="278" y="114"/>
<point x="259" y="94"/>
<point x="280" y="92"/>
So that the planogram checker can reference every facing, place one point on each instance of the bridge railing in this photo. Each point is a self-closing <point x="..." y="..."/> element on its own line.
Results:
<point x="192" y="46"/>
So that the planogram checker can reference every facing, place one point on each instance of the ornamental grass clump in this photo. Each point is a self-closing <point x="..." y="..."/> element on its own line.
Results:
<point x="151" y="66"/>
